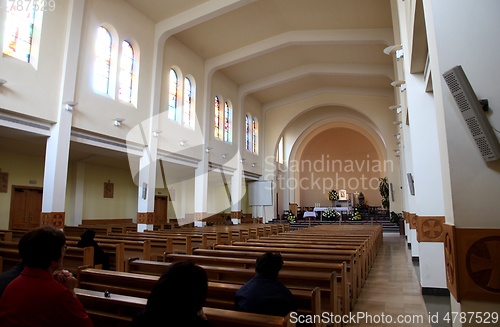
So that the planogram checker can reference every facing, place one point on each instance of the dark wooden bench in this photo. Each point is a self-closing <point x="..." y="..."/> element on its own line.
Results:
<point x="119" y="310"/>
<point x="292" y="279"/>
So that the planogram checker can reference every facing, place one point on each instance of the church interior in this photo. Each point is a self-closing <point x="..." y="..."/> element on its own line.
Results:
<point x="152" y="112"/>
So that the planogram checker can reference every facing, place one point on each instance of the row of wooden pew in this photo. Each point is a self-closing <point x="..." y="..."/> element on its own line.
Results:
<point x="325" y="268"/>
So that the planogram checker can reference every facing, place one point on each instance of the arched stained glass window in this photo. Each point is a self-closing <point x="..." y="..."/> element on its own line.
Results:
<point x="173" y="89"/>
<point x="18" y="32"/>
<point x="227" y="122"/>
<point x="217" y="118"/>
<point x="126" y="72"/>
<point x="247" y="133"/>
<point x="103" y="61"/>
<point x="186" y="119"/>
<point x="255" y="130"/>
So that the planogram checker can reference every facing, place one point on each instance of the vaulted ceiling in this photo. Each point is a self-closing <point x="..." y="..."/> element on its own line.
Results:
<point x="275" y="49"/>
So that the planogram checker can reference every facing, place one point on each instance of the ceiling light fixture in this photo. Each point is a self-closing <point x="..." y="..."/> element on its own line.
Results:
<point x="157" y="132"/>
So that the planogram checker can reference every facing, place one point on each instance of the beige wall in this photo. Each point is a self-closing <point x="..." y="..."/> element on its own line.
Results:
<point x="34" y="88"/>
<point x="122" y="205"/>
<point x="338" y="158"/>
<point x="22" y="169"/>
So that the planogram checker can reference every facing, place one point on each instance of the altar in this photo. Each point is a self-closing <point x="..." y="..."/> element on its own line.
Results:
<point x="318" y="211"/>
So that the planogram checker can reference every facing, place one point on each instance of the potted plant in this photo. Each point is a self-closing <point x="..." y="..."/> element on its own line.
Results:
<point x="397" y="218"/>
<point x="291" y="218"/>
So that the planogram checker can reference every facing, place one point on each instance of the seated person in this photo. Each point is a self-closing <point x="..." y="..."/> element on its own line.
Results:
<point x="100" y="257"/>
<point x="10" y="275"/>
<point x="264" y="294"/>
<point x="177" y="298"/>
<point x="40" y="296"/>
<point x="229" y="222"/>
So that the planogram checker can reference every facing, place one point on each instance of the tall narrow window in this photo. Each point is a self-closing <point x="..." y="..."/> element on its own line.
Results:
<point x="227" y="122"/>
<point x="186" y="119"/>
<point x="126" y="72"/>
<point x="173" y="89"/>
<point x="280" y="151"/>
<point x="18" y="32"/>
<point x="217" y="118"/>
<point x="255" y="135"/>
<point x="248" y="136"/>
<point x="103" y="61"/>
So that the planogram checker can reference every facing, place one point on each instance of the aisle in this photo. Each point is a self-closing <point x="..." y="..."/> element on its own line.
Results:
<point x="392" y="287"/>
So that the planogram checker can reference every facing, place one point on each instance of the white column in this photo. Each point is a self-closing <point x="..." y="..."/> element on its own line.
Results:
<point x="201" y="191"/>
<point x="57" y="149"/>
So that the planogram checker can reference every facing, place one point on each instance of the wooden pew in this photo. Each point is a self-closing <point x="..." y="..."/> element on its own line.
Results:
<point x="343" y="281"/>
<point x="16" y="234"/>
<point x="115" y="252"/>
<point x="119" y="311"/>
<point x="219" y="295"/>
<point x="6" y="236"/>
<point x="73" y="258"/>
<point x="292" y="279"/>
<point x="350" y="260"/>
<point x="79" y="230"/>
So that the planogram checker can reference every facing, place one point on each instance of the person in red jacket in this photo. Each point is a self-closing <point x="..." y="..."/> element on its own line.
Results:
<point x="40" y="296"/>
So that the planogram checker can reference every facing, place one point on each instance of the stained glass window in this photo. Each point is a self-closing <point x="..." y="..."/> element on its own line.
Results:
<point x="255" y="136"/>
<point x="103" y="60"/>
<point x="126" y="72"/>
<point x="186" y="119"/>
<point x="217" y="118"/>
<point x="18" y="33"/>
<point x="172" y="101"/>
<point x="247" y="133"/>
<point x="227" y="122"/>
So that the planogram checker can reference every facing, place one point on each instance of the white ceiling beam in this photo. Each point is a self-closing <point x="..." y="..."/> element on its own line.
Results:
<point x="360" y="36"/>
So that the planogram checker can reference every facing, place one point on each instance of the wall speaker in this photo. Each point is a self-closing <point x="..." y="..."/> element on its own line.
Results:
<point x="473" y="113"/>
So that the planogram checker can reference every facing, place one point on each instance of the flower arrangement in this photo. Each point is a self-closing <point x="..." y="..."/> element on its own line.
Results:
<point x="331" y="215"/>
<point x="333" y="195"/>
<point x="291" y="218"/>
<point x="356" y="214"/>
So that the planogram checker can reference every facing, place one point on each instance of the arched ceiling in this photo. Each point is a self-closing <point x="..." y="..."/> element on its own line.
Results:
<point x="275" y="49"/>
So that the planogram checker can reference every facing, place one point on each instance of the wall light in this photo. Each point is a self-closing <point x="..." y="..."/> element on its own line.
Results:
<point x="392" y="49"/>
<point x="157" y="132"/>
<point x="397" y="122"/>
<point x="3" y="81"/>
<point x="70" y="105"/>
<point x="242" y="159"/>
<point x="183" y="142"/>
<point x="398" y="83"/>
<point x="254" y="164"/>
<point x="207" y="149"/>
<point x="224" y="155"/>
<point x="395" y="107"/>
<point x="119" y="121"/>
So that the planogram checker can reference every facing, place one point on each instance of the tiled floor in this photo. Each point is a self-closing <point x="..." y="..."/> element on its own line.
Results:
<point x="392" y="289"/>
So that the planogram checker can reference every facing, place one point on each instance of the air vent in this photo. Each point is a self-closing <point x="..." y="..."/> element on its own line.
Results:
<point x="473" y="113"/>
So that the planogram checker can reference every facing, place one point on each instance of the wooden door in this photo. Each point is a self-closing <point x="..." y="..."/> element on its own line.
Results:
<point x="161" y="205"/>
<point x="26" y="207"/>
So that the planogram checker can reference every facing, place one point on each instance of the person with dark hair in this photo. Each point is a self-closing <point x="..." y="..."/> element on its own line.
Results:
<point x="264" y="294"/>
<point x="40" y="296"/>
<point x="229" y="222"/>
<point x="177" y="299"/>
<point x="100" y="257"/>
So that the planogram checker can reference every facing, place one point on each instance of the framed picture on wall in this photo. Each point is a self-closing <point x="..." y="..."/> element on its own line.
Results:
<point x="342" y="195"/>
<point x="109" y="190"/>
<point x="4" y="182"/>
